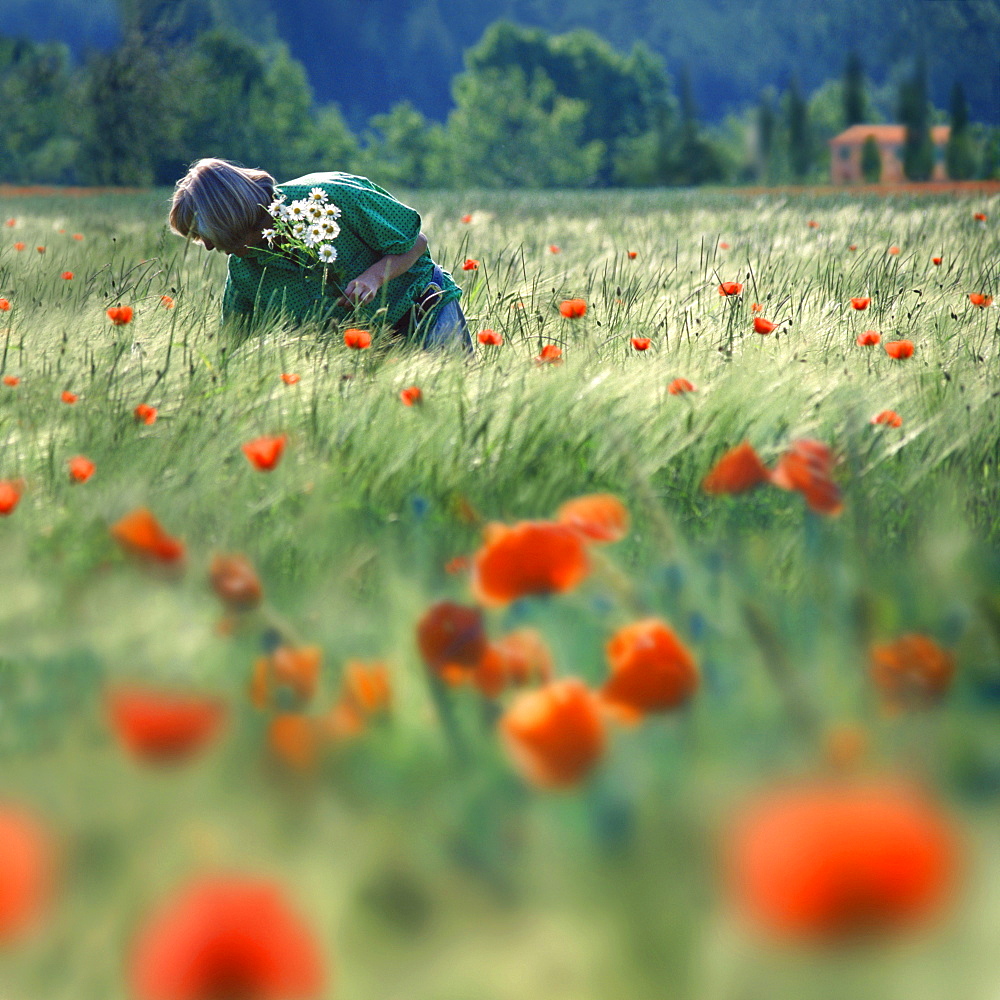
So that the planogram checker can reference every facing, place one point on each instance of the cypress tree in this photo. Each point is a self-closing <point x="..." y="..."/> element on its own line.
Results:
<point x="800" y="153"/>
<point x="855" y="110"/>
<point x="960" y="157"/>
<point x="918" y="150"/>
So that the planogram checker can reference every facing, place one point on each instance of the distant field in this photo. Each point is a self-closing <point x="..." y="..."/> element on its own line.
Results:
<point x="426" y="865"/>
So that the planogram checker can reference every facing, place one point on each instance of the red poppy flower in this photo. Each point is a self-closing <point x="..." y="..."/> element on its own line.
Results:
<point x="573" y="308"/>
<point x="550" y="355"/>
<point x="235" y="582"/>
<point x="264" y="452"/>
<point x="367" y="686"/>
<point x="141" y="534"/>
<point x="81" y="469"/>
<point x="120" y="315"/>
<point x="19" y="247"/>
<point x="899" y="349"/>
<point x="730" y="288"/>
<point x="723" y="246"/>
<point x="936" y="260"/>
<point x="812" y="224"/>
<point x="764" y="326"/>
<point x="227" y="937"/>
<point x="829" y="862"/>
<point x="295" y="739"/>
<point x="357" y="339"/>
<point x="78" y="236"/>
<point x="894" y="251"/>
<point x="10" y="223"/>
<point x="411" y="396"/>
<point x="67" y="276"/>
<point x="11" y="380"/>
<point x="470" y="265"/>
<point x="807" y="467"/>
<point x="467" y="218"/>
<point x="532" y="557"/>
<point x="679" y="386"/>
<point x="293" y="670"/>
<point x="756" y="308"/>
<point x="554" y="249"/>
<point x="290" y="379"/>
<point x="860" y="303"/>
<point x="599" y="517"/>
<point x="164" y="727"/>
<point x="40" y="249"/>
<point x="869" y="338"/>
<point x="167" y="301"/>
<point x="451" y="639"/>
<point x="490" y="337"/>
<point x="524" y="657"/>
<point x="979" y="216"/>
<point x="913" y="670"/>
<point x="890" y="417"/>
<point x="69" y="397"/>
<point x="853" y="247"/>
<point x="26" y="871"/>
<point x="978" y="299"/>
<point x="144" y="413"/>
<point x="739" y="470"/>
<point x="651" y="670"/>
<point x="4" y="305"/>
<point x="632" y="254"/>
<point x="10" y="495"/>
<point x="641" y="343"/>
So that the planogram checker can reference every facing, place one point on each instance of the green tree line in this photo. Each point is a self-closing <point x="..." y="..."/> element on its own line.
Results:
<point x="530" y="109"/>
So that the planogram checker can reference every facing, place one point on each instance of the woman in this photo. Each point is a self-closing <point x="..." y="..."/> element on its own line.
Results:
<point x="382" y="274"/>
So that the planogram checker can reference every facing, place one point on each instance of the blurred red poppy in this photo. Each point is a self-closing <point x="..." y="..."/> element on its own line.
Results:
<point x="899" y="349"/>
<point x="599" y="517"/>
<point x="807" y="467"/>
<point x="890" y="417"/>
<point x="979" y="216"/>
<point x="641" y="343"/>
<point x="367" y="686"/>
<point x="19" y="247"/>
<point x="550" y="355"/>
<point x="167" y="301"/>
<point x="27" y="860"/>
<point x="555" y="735"/>
<point x="164" y="727"/>
<point x="11" y="223"/>
<point x="632" y="254"/>
<point x="295" y="739"/>
<point x="894" y="250"/>
<point x="763" y="326"/>
<point x="235" y="581"/>
<point x="290" y="379"/>
<point x="81" y="468"/>
<point x="740" y="469"/>
<point x="69" y="397"/>
<point x="467" y="218"/>
<point x="912" y="670"/>
<point x="730" y="288"/>
<point x="10" y="495"/>
<point x="145" y="414"/>
<point x="679" y="386"/>
<point x="411" y="396"/>
<point x="4" y="305"/>
<point x="573" y="308"/>
<point x="524" y="657"/>
<point x="357" y="339"/>
<point x="40" y="249"/>
<point x="554" y="249"/>
<point x="227" y="937"/>
<point x="77" y="236"/>
<point x="451" y="639"/>
<point x="812" y="224"/>
<point x="470" y="265"/>
<point x="756" y="308"/>
<point x="265" y="452"/>
<point x="120" y="315"/>
<point x="11" y="380"/>
<point x="651" y="670"/>
<point x="860" y="303"/>
<point x="853" y="247"/>
<point x="141" y="534"/>
<point x="832" y="862"/>
<point x="67" y="276"/>
<point x="869" y="338"/>
<point x="287" y="670"/>
<point x="723" y="246"/>
<point x="490" y="337"/>
<point x="978" y="299"/>
<point x="935" y="260"/>
<point x="532" y="557"/>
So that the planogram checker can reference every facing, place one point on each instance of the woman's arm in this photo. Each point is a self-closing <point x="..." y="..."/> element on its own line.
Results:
<point x="366" y="285"/>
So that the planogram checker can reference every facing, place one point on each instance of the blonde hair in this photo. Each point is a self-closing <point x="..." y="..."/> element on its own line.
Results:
<point x="220" y="201"/>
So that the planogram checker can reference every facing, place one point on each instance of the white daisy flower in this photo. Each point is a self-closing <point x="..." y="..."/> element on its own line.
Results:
<point x="330" y="229"/>
<point x="331" y="211"/>
<point x="298" y="229"/>
<point x="297" y="210"/>
<point x="317" y="195"/>
<point x="268" y="235"/>
<point x="327" y="253"/>
<point x="314" y="211"/>
<point x="314" y="234"/>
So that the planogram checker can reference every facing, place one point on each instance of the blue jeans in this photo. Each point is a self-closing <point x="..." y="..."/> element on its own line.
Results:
<point x="449" y="329"/>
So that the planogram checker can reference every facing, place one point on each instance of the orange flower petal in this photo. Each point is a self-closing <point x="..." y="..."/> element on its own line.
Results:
<point x="739" y="470"/>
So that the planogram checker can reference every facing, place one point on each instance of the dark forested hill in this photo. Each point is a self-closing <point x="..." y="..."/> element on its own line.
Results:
<point x="367" y="55"/>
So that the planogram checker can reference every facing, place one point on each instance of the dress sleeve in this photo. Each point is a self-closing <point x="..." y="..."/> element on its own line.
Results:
<point x="385" y="224"/>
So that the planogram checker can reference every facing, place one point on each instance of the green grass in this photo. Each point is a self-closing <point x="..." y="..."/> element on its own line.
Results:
<point x="431" y="875"/>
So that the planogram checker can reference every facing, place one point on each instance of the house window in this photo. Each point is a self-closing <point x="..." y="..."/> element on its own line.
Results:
<point x="845" y="153"/>
<point x="939" y="154"/>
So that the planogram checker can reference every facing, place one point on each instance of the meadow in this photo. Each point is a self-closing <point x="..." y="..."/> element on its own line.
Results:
<point x="418" y="850"/>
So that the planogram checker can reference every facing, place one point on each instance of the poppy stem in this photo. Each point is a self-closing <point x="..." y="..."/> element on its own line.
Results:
<point x="449" y="723"/>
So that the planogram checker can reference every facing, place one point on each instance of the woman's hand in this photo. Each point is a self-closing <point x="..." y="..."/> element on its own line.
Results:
<point x="360" y="290"/>
<point x="363" y="289"/>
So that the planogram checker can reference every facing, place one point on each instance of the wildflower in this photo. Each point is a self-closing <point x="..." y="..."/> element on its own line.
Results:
<point x="632" y="254"/>
<point x="980" y="300"/>
<point x="812" y="224"/>
<point x="651" y="670"/>
<point x="555" y="735"/>
<point x="81" y="468"/>
<point x="145" y="414"/>
<point x="19" y="247"/>
<point x="367" y="686"/>
<point x="327" y="253"/>
<point x="78" y="236"/>
<point x="912" y="670"/>
<point x="295" y="739"/>
<point x="890" y="417"/>
<point x="10" y="495"/>
<point x="573" y="308"/>
<point x="756" y="308"/>
<point x="470" y="265"/>
<point x="40" y="249"/>
<point x="163" y="727"/>
<point x="263" y="453"/>
<point x="599" y="517"/>
<point x="679" y="386"/>
<point x="10" y="223"/>
<point x="142" y="535"/>
<point x="730" y="288"/>
<point x="4" y="305"/>
<point x="357" y="339"/>
<point x="290" y="379"/>
<point x="860" y="303"/>
<point x="641" y="343"/>
<point x="27" y="852"/>
<point x="853" y="247"/>
<point x="120" y="315"/>
<point x="288" y="671"/>
<point x="524" y="657"/>
<point x="936" y="260"/>
<point x="11" y="380"/>
<point x="723" y="246"/>
<point x="411" y="396"/>
<point x="490" y="338"/>
<point x="69" y="397"/>
<point x="825" y="862"/>
<point x="869" y="338"/>
<point x="67" y="276"/>
<point x="894" y="251"/>
<point x="467" y="218"/>
<point x="979" y="216"/>
<point x="763" y="326"/>
<point x="554" y="249"/>
<point x="235" y="582"/>
<point x="807" y="467"/>
<point x="532" y="557"/>
<point x="451" y="639"/>
<point x="550" y="354"/>
<point x="167" y="301"/>
<point x="899" y="349"/>
<point x="227" y="937"/>
<point x="739" y="470"/>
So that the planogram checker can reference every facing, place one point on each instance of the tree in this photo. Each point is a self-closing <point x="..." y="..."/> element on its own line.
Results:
<point x="960" y="156"/>
<point x="766" y="125"/>
<point x="403" y="149"/>
<point x="800" y="145"/>
<point x="871" y="161"/>
<point x="697" y="161"/>
<point x="855" y="103"/>
<point x="914" y="113"/>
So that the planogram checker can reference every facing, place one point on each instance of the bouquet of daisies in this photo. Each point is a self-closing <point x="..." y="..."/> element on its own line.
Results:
<point x="306" y="228"/>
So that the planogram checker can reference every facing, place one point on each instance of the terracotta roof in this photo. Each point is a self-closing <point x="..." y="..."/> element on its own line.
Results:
<point x="857" y="134"/>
